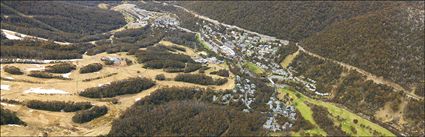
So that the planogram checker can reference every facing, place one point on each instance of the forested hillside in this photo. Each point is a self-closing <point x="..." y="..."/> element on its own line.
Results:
<point x="284" y="19"/>
<point x="388" y="43"/>
<point x="58" y="20"/>
<point x="384" y="38"/>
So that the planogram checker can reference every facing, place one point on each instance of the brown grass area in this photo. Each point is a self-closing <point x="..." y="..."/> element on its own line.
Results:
<point x="60" y="123"/>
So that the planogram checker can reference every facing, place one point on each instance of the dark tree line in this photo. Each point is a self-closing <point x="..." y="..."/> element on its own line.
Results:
<point x="13" y="70"/>
<point x="44" y="74"/>
<point x="61" y="68"/>
<point x="321" y="116"/>
<point x="9" y="117"/>
<point x="200" y="79"/>
<point x="93" y="67"/>
<point x="121" y="87"/>
<point x="58" y="105"/>
<point x="36" y="49"/>
<point x="100" y="77"/>
<point x="89" y="114"/>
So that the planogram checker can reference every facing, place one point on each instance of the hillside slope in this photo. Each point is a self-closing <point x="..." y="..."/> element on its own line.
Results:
<point x="387" y="43"/>
<point x="383" y="38"/>
<point x="283" y="19"/>
<point x="62" y="21"/>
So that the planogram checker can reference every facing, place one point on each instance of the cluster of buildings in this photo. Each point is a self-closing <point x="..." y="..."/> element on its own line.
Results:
<point x="241" y="47"/>
<point x="210" y="60"/>
<point x="165" y="20"/>
<point x="244" y="92"/>
<point x="278" y="108"/>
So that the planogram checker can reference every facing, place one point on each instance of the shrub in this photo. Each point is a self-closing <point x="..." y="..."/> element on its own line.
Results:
<point x="13" y="70"/>
<point x="61" y="68"/>
<point x="58" y="105"/>
<point x="128" y="62"/>
<point x="160" y="77"/>
<point x="127" y="86"/>
<point x="9" y="117"/>
<point x="222" y="72"/>
<point x="89" y="114"/>
<point x="108" y="62"/>
<point x="94" y="67"/>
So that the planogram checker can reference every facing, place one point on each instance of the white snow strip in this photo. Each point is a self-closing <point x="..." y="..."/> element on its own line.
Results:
<point x="10" y="78"/>
<point x="66" y="75"/>
<point x="4" y="87"/>
<point x="6" y="104"/>
<point x="45" y="91"/>
<point x="38" y="67"/>
<point x="13" y="36"/>
<point x="99" y="85"/>
<point x="14" y="125"/>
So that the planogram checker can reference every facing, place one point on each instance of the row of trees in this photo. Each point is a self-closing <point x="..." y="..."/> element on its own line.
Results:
<point x="200" y="79"/>
<point x="93" y="67"/>
<point x="61" y="68"/>
<point x="116" y="88"/>
<point x="44" y="74"/>
<point x="89" y="114"/>
<point x="321" y="116"/>
<point x="13" y="70"/>
<point x="99" y="77"/>
<point x="58" y="105"/>
<point x="37" y="49"/>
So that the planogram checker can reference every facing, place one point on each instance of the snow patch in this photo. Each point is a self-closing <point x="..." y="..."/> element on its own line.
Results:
<point x="37" y="67"/>
<point x="9" y="78"/>
<point x="14" y="125"/>
<point x="6" y="104"/>
<point x="4" y="87"/>
<point x="45" y="91"/>
<point x="66" y="75"/>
